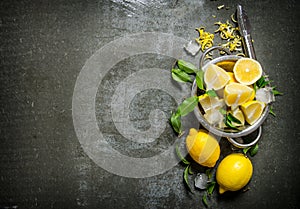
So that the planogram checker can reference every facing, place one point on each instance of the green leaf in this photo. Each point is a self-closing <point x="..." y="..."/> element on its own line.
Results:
<point x="180" y="156"/>
<point x="229" y="124"/>
<point x="190" y="170"/>
<point x="271" y="111"/>
<point x="204" y="200"/>
<point x="176" y="122"/>
<point x="231" y="118"/>
<point x="211" y="93"/>
<point x="199" y="79"/>
<point x="186" y="66"/>
<point x="208" y="172"/>
<point x="185" y="177"/>
<point x="245" y="150"/>
<point x="254" y="150"/>
<point x="222" y="111"/>
<point x="188" y="105"/>
<point x="211" y="187"/>
<point x="181" y="76"/>
<point x="276" y="93"/>
<point x="262" y="82"/>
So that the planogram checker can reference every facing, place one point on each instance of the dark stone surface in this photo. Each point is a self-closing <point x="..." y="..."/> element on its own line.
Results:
<point x="44" y="46"/>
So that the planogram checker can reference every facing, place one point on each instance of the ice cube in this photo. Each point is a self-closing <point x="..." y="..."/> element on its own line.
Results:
<point x="201" y="180"/>
<point x="192" y="47"/>
<point x="265" y="95"/>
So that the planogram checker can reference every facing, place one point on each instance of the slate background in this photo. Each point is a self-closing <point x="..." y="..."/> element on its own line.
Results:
<point x="44" y="45"/>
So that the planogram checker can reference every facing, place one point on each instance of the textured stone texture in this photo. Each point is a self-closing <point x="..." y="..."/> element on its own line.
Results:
<point x="45" y="44"/>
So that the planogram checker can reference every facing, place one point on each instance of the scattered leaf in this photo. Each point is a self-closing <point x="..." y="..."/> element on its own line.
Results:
<point x="190" y="170"/>
<point x="276" y="92"/>
<point x="271" y="111"/>
<point x="211" y="93"/>
<point x="254" y="150"/>
<point x="180" y="156"/>
<point x="199" y="79"/>
<point x="208" y="172"/>
<point x="181" y="76"/>
<point x="188" y="105"/>
<point x="211" y="187"/>
<point x="245" y="150"/>
<point x="186" y="66"/>
<point x="176" y="122"/>
<point x="204" y="200"/>
<point x="185" y="177"/>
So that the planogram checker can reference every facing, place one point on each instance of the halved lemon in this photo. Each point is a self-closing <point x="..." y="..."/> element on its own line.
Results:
<point x="252" y="110"/>
<point x="247" y="71"/>
<point x="236" y="94"/>
<point x="215" y="77"/>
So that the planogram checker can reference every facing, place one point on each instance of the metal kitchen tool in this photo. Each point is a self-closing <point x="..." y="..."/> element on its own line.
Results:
<point x="234" y="137"/>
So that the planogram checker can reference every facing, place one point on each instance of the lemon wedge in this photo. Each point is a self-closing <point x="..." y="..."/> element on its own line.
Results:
<point x="252" y="110"/>
<point x="215" y="77"/>
<point x="236" y="94"/>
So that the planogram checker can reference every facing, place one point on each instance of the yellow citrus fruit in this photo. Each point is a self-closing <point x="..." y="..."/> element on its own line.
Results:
<point x="247" y="71"/>
<point x="215" y="77"/>
<point x="236" y="94"/>
<point x="203" y="147"/>
<point x="232" y="78"/>
<point x="227" y="65"/>
<point x="208" y="102"/>
<point x="238" y="114"/>
<point x="234" y="172"/>
<point x="252" y="110"/>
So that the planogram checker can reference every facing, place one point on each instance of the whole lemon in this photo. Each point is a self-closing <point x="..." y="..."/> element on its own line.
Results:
<point x="203" y="147"/>
<point x="234" y="172"/>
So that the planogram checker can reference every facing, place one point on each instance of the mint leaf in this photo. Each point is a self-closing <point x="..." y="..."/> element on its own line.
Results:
<point x="181" y="76"/>
<point x="211" y="187"/>
<point x="204" y="200"/>
<point x="186" y="66"/>
<point x="185" y="177"/>
<point x="254" y="150"/>
<point x="211" y="93"/>
<point x="199" y="79"/>
<point x="180" y="156"/>
<point x="176" y="122"/>
<point x="187" y="106"/>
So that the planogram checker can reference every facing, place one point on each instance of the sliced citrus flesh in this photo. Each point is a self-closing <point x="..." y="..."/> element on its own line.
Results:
<point x="232" y="78"/>
<point x="247" y="71"/>
<point x="236" y="94"/>
<point x="215" y="77"/>
<point x="252" y="110"/>
<point x="238" y="114"/>
<point x="203" y="147"/>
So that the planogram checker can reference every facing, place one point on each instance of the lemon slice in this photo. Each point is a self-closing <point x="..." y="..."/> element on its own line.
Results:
<point x="236" y="94"/>
<point x="247" y="71"/>
<point x="238" y="114"/>
<point x="209" y="103"/>
<point x="215" y="77"/>
<point x="252" y="110"/>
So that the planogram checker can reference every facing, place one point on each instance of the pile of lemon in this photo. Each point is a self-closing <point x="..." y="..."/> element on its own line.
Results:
<point x="234" y="171"/>
<point x="235" y="92"/>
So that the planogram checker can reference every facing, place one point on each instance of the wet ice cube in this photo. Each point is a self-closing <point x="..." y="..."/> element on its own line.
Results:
<point x="265" y="95"/>
<point x="192" y="48"/>
<point x="201" y="181"/>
